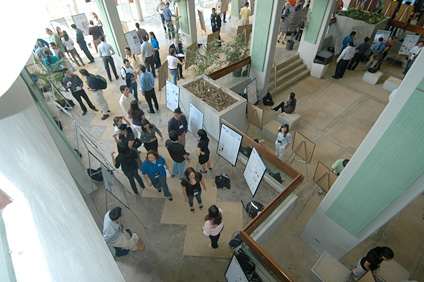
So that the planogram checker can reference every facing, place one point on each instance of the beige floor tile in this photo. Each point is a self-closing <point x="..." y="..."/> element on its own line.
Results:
<point x="326" y="151"/>
<point x="374" y="90"/>
<point x="351" y="131"/>
<point x="370" y="110"/>
<point x="308" y="85"/>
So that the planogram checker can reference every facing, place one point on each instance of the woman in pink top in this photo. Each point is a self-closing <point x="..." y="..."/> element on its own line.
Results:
<point x="213" y="225"/>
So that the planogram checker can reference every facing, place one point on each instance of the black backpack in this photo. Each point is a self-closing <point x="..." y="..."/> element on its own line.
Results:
<point x="101" y="82"/>
<point x="253" y="208"/>
<point x="222" y="181"/>
<point x="267" y="100"/>
<point x="95" y="174"/>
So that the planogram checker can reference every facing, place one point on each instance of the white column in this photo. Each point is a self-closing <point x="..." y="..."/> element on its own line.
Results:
<point x="139" y="13"/>
<point x="74" y="7"/>
<point x="191" y="12"/>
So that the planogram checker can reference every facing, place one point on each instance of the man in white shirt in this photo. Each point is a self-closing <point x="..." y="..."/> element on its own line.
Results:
<point x="159" y="9"/>
<point x="147" y="55"/>
<point x="106" y="51"/>
<point x="343" y="60"/>
<point x="129" y="74"/>
<point x="413" y="54"/>
<point x="126" y="99"/>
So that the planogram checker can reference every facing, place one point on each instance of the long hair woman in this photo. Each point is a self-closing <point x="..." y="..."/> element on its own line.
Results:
<point x="52" y="62"/>
<point x="156" y="48"/>
<point x="69" y="44"/>
<point x="203" y="150"/>
<point x="148" y="136"/>
<point x="155" y="174"/>
<point x="137" y="115"/>
<point x="284" y="139"/>
<point x="192" y="184"/>
<point x="213" y="225"/>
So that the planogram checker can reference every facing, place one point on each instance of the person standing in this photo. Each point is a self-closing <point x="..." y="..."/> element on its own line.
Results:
<point x="127" y="158"/>
<point x="377" y="54"/>
<point x="97" y="21"/>
<point x="129" y="74"/>
<point x="361" y="49"/>
<point x="219" y="7"/>
<point x="159" y="8"/>
<point x="148" y="136"/>
<point x="147" y="88"/>
<point x="141" y="32"/>
<point x="106" y="51"/>
<point x="387" y="47"/>
<point x="167" y="14"/>
<point x="155" y="173"/>
<point x="284" y="139"/>
<point x="93" y="85"/>
<point x="69" y="44"/>
<point x="203" y="150"/>
<point x="216" y="24"/>
<point x="178" y="154"/>
<point x="287" y="106"/>
<point x="213" y="225"/>
<point x="191" y="187"/>
<point x="178" y="123"/>
<point x="126" y="99"/>
<point x="343" y="60"/>
<point x="74" y="83"/>
<point x="82" y="44"/>
<point x="413" y="54"/>
<point x="96" y="32"/>
<point x="155" y="44"/>
<point x="113" y="232"/>
<point x="348" y="39"/>
<point x="133" y="58"/>
<point x="245" y="14"/>
<point x="40" y="51"/>
<point x="173" y="63"/>
<point x="52" y="63"/>
<point x="339" y="165"/>
<point x="147" y="55"/>
<point x="179" y="53"/>
<point x="58" y="53"/>
<point x="53" y="37"/>
<point x="136" y="115"/>
<point x="372" y="261"/>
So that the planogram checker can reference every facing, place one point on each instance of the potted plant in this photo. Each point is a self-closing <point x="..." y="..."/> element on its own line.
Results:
<point x="236" y="50"/>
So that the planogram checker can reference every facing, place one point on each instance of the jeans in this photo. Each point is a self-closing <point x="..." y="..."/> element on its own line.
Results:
<point x="133" y="89"/>
<point x="81" y="93"/>
<point x="178" y="168"/>
<point x="134" y="174"/>
<point x="157" y="59"/>
<point x="159" y="183"/>
<point x="198" y="198"/>
<point x="175" y="75"/>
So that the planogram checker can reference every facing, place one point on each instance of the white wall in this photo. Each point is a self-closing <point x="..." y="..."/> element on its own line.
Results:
<point x="53" y="236"/>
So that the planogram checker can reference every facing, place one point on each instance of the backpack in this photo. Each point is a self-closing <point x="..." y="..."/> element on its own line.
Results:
<point x="236" y="241"/>
<point x="101" y="82"/>
<point x="267" y="100"/>
<point x="127" y="77"/>
<point x="95" y="174"/>
<point x="253" y="208"/>
<point x="222" y="181"/>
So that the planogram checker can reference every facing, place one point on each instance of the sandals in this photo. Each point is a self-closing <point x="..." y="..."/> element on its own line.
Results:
<point x="204" y="171"/>
<point x="192" y="210"/>
<point x="210" y="168"/>
<point x="201" y="207"/>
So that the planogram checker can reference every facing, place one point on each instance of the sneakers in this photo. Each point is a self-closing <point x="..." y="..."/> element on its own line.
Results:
<point x="104" y="117"/>
<point x="151" y="112"/>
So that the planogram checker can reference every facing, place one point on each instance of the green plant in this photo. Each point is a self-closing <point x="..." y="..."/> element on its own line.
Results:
<point x="236" y="50"/>
<point x="294" y="21"/>
<point x="362" y="15"/>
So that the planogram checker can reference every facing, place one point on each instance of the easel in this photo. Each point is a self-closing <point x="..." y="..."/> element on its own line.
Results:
<point x="254" y="114"/>
<point x="302" y="147"/>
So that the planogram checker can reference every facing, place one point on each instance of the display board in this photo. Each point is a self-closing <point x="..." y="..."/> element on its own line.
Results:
<point x="254" y="115"/>
<point x="252" y="92"/>
<point x="163" y="74"/>
<point x="172" y="95"/>
<point x="324" y="177"/>
<point x="211" y="38"/>
<point x="409" y="42"/>
<point x="201" y="20"/>
<point x="245" y="31"/>
<point x="133" y="42"/>
<point x="81" y="22"/>
<point x="338" y="46"/>
<point x="381" y="33"/>
<point x="359" y="38"/>
<point x="195" y="120"/>
<point x="125" y="28"/>
<point x="63" y="24"/>
<point x="389" y="8"/>
<point x="404" y="12"/>
<point x="190" y="56"/>
<point x="229" y="144"/>
<point x="114" y="186"/>
<point x="254" y="171"/>
<point x="234" y="272"/>
<point x="303" y="147"/>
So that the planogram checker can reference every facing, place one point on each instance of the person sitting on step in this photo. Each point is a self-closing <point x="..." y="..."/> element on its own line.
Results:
<point x="287" y="106"/>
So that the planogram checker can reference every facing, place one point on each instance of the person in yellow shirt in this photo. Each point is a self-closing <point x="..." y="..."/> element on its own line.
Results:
<point x="245" y="14"/>
<point x="133" y="58"/>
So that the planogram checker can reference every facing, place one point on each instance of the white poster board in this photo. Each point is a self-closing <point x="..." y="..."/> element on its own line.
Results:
<point x="63" y="24"/>
<point x="133" y="42"/>
<point x="172" y="93"/>
<point x="252" y="92"/>
<point x="254" y="171"/>
<point x="234" y="272"/>
<point x="359" y="34"/>
<point x="81" y="22"/>
<point x="195" y="120"/>
<point x="381" y="33"/>
<point x="229" y="144"/>
<point x="409" y="43"/>
<point x="338" y="46"/>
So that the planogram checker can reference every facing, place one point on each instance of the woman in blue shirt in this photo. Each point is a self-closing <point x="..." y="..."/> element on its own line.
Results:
<point x="155" y="173"/>
<point x="51" y="62"/>
<point x="155" y="44"/>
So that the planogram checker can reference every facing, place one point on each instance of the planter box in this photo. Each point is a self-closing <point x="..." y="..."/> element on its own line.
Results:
<point x="234" y="114"/>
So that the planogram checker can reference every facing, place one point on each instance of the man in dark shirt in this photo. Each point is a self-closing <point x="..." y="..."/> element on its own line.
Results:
<point x="216" y="23"/>
<point x="178" y="123"/>
<point x="178" y="46"/>
<point x="74" y="83"/>
<point x="82" y="44"/>
<point x="178" y="154"/>
<point x="361" y="49"/>
<point x="141" y="32"/>
<point x="372" y="261"/>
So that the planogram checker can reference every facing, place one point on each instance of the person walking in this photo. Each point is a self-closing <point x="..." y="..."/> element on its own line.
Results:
<point x="117" y="121"/>
<point x="93" y="85"/>
<point x="178" y="123"/>
<point x="177" y="153"/>
<point x="156" y="48"/>
<point x="287" y="106"/>
<point x="284" y="139"/>
<point x="127" y="158"/>
<point x="96" y="32"/>
<point x="113" y="232"/>
<point x="213" y="225"/>
<point x="69" y="44"/>
<point x="159" y="8"/>
<point x="167" y="14"/>
<point x="72" y="82"/>
<point x="141" y="32"/>
<point x="136" y="115"/>
<point x="148" y="136"/>
<point x="361" y="49"/>
<point x="216" y="23"/>
<point x="147" y="88"/>
<point x="192" y="184"/>
<point x="245" y="14"/>
<point x="218" y="5"/>
<point x="203" y="150"/>
<point x="155" y="174"/>
<point x="82" y="44"/>
<point x="126" y="99"/>
<point x="372" y="261"/>
<point x="124" y="135"/>
<point x="179" y="53"/>
<point x="413" y="54"/>
<point x="147" y="55"/>
<point x="343" y="60"/>
<point x="173" y="63"/>
<point x="106" y="51"/>
<point x="129" y="74"/>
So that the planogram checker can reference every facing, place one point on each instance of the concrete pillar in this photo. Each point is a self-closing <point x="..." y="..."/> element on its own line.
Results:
<point x="382" y="178"/>
<point x="265" y="29"/>
<point x="74" y="8"/>
<point x="112" y="26"/>
<point x="187" y="13"/>
<point x="315" y="30"/>
<point x="138" y="8"/>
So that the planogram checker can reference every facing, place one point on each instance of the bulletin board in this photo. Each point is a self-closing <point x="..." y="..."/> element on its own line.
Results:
<point x="81" y="22"/>
<point x="303" y="146"/>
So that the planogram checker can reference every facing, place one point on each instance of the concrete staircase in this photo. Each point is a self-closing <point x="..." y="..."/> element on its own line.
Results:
<point x="288" y="72"/>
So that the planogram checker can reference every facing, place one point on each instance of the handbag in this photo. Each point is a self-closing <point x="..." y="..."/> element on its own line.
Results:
<point x="137" y="143"/>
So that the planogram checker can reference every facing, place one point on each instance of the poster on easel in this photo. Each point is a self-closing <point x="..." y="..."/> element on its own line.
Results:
<point x="408" y="43"/>
<point x="172" y="93"/>
<point x="163" y="75"/>
<point x="201" y="20"/>
<point x="229" y="144"/>
<point x="63" y="24"/>
<point x="133" y="42"/>
<point x="81" y="22"/>
<point x="190" y="55"/>
<point x="381" y="33"/>
<point x="195" y="120"/>
<point x="254" y="171"/>
<point x="254" y="115"/>
<point x="245" y="31"/>
<point x="114" y="186"/>
<point x="252" y="92"/>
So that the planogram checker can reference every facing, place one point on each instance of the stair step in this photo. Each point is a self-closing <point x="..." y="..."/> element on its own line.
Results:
<point x="290" y="73"/>
<point x="281" y="65"/>
<point x="289" y="82"/>
<point x="287" y="67"/>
